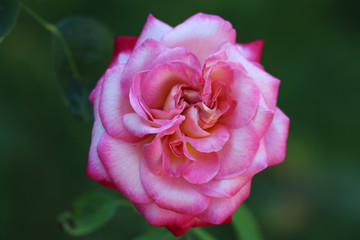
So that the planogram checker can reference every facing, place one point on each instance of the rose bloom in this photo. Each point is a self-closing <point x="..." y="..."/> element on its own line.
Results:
<point x="184" y="118"/>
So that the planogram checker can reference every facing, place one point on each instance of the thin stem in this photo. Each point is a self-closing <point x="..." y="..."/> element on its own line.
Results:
<point x="54" y="30"/>
<point x="202" y="234"/>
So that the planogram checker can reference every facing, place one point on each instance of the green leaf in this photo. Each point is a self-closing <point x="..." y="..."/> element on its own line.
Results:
<point x="8" y="12"/>
<point x="157" y="233"/>
<point x="82" y="50"/>
<point x="245" y="224"/>
<point x="89" y="212"/>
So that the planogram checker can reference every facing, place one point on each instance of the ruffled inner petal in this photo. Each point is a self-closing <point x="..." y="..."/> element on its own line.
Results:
<point x="218" y="137"/>
<point x="140" y="127"/>
<point x="203" y="169"/>
<point x="174" y="161"/>
<point x="158" y="83"/>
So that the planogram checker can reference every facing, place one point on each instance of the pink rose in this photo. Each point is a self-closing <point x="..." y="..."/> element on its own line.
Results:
<point x="184" y="118"/>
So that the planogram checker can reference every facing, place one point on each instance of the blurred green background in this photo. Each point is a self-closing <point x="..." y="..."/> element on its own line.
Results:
<point x="313" y="47"/>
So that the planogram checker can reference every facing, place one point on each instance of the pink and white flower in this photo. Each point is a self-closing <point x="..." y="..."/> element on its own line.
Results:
<point x="184" y="118"/>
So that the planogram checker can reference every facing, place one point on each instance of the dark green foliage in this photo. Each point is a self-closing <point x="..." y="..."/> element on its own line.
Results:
<point x="80" y="60"/>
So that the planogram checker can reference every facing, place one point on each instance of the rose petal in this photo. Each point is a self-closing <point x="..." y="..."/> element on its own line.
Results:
<point x="177" y="54"/>
<point x="173" y="193"/>
<point x="153" y="28"/>
<point x="190" y="126"/>
<point x="219" y="135"/>
<point x="162" y="217"/>
<point x="268" y="84"/>
<point x="113" y="105"/>
<point x="178" y="231"/>
<point x="173" y="165"/>
<point x="222" y="188"/>
<point x="123" y="47"/>
<point x="135" y="96"/>
<point x="252" y="50"/>
<point x="247" y="97"/>
<point x="203" y="169"/>
<point x="152" y="154"/>
<point x="220" y="209"/>
<point x="93" y="93"/>
<point x="263" y="117"/>
<point x="238" y="152"/>
<point x="275" y="138"/>
<point x="137" y="126"/>
<point x="161" y="79"/>
<point x="202" y="34"/>
<point x="95" y="169"/>
<point x="259" y="163"/>
<point x="122" y="162"/>
<point x="201" y="223"/>
<point x="140" y="60"/>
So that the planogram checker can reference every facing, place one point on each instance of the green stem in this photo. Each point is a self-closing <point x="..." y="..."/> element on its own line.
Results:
<point x="54" y="30"/>
<point x="202" y="234"/>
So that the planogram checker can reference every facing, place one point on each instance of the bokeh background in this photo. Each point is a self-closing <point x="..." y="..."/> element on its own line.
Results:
<point x="312" y="46"/>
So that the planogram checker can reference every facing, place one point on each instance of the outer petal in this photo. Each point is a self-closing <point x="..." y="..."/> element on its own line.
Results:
<point x="174" y="194"/>
<point x="222" y="208"/>
<point x="213" y="143"/>
<point x="252" y="50"/>
<point x="178" y="231"/>
<point x="140" y="60"/>
<point x="113" y="105"/>
<point x="275" y="138"/>
<point x="238" y="152"/>
<point x="263" y="117"/>
<point x="154" y="28"/>
<point x="202" y="34"/>
<point x="162" y="217"/>
<point x="123" y="47"/>
<point x="268" y="84"/>
<point x="122" y="162"/>
<point x="222" y="188"/>
<point x="95" y="169"/>
<point x="259" y="163"/>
